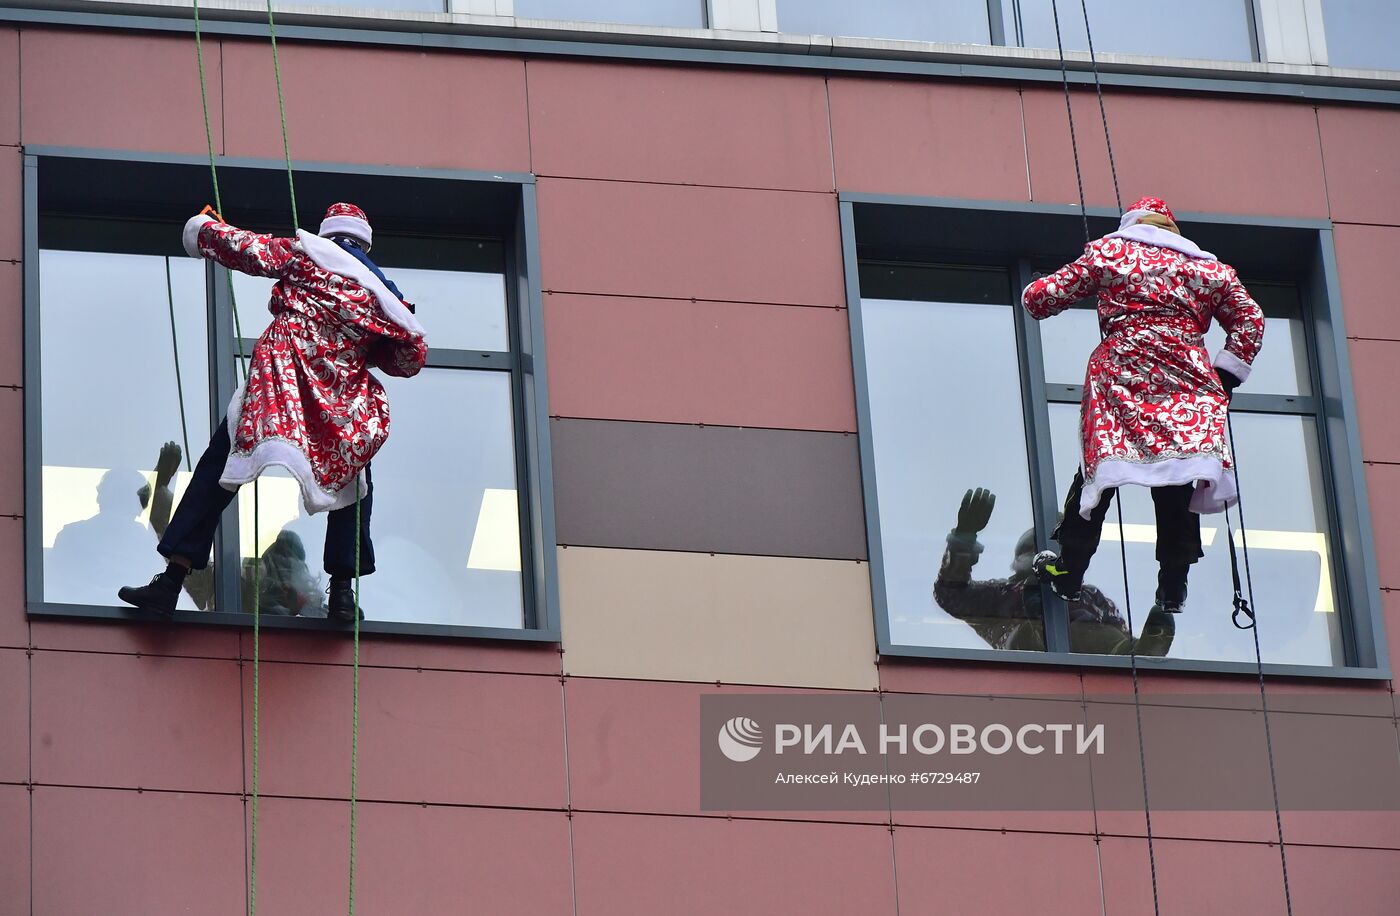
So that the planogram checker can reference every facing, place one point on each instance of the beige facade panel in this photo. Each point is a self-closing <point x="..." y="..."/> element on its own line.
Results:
<point x="776" y="621"/>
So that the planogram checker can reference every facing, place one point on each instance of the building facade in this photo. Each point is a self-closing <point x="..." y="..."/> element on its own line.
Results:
<point x="725" y="323"/>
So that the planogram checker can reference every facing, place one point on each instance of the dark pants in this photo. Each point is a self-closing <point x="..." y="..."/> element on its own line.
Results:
<point x="1178" y="528"/>
<point x="191" y="530"/>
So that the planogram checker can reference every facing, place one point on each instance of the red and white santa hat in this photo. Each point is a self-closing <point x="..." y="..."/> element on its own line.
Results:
<point x="347" y="219"/>
<point x="1144" y="206"/>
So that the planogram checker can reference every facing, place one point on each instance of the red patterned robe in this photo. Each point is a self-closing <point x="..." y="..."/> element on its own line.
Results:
<point x="1154" y="410"/>
<point x="310" y="404"/>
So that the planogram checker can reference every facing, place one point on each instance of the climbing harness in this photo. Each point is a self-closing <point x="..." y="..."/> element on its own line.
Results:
<point x="1242" y="607"/>
<point x="257" y="564"/>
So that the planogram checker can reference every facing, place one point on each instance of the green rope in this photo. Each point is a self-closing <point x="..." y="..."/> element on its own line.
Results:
<point x="257" y="583"/>
<point x="175" y="348"/>
<point x="355" y="719"/>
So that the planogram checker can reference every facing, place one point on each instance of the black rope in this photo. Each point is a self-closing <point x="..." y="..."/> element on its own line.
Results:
<point x="1122" y="540"/>
<point x="1258" y="655"/>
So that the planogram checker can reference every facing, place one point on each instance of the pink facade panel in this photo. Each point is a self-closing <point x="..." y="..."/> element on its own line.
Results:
<point x="11" y="323"/>
<point x="419" y="108"/>
<point x="628" y="864"/>
<point x="136" y="638"/>
<point x="119" y="851"/>
<point x="1214" y="161"/>
<point x="11" y="450"/>
<point x="901" y="136"/>
<point x="387" y="652"/>
<point x="1383" y="487"/>
<point x="981" y="871"/>
<point x="11" y="203"/>
<point x="95" y="89"/>
<point x="674" y="242"/>
<point x="1373" y="366"/>
<point x="1364" y="255"/>
<point x="1357" y="882"/>
<point x="740" y="128"/>
<point x="14" y="625"/>
<point x="1363" y="178"/>
<point x="719" y="363"/>
<point x="1193" y="876"/>
<point x="970" y="678"/>
<point x="427" y="736"/>
<point x="411" y="859"/>
<point x="9" y="87"/>
<point x="1379" y="829"/>
<point x="14" y="716"/>
<point x="634" y="746"/>
<point x="14" y="850"/>
<point x="139" y="722"/>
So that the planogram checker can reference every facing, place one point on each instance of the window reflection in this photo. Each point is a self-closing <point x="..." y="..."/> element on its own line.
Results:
<point x="680" y="13"/>
<point x="107" y="413"/>
<point x="445" y="519"/>
<point x="1204" y="29"/>
<point x="1289" y="553"/>
<point x="963" y="21"/>
<point x="1361" y="33"/>
<point x="947" y="418"/>
<point x="1282" y="366"/>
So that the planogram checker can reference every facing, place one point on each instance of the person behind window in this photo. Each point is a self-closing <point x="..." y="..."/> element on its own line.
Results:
<point x="1154" y="409"/>
<point x="309" y="403"/>
<point x="1008" y="614"/>
<point x="94" y="550"/>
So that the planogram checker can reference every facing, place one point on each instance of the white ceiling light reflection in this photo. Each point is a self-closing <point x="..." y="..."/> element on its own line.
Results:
<point x="496" y="542"/>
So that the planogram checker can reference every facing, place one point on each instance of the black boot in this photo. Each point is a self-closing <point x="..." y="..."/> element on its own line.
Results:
<point x="1052" y="571"/>
<point x="1171" y="588"/>
<point x="160" y="596"/>
<point x="340" y="605"/>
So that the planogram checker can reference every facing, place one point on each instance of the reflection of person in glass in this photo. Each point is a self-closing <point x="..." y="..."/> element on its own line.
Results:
<point x="1154" y="407"/>
<point x="91" y="552"/>
<point x="1008" y="613"/>
<point x="284" y="583"/>
<point x="310" y="404"/>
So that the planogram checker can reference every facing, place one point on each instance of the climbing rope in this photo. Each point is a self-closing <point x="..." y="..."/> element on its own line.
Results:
<point x="1241" y="606"/>
<point x="175" y="352"/>
<point x="1122" y="540"/>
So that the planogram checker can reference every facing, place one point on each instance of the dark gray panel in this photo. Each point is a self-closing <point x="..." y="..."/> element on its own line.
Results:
<point x="713" y="489"/>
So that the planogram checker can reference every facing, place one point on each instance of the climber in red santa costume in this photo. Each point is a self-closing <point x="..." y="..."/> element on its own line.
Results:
<point x="1155" y="406"/>
<point x="309" y="404"/>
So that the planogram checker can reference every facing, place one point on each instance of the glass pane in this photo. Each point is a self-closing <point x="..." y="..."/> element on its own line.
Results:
<point x="461" y="310"/>
<point x="445" y="522"/>
<point x="427" y="6"/>
<point x="107" y="414"/>
<point x="945" y="419"/>
<point x="1289" y="553"/>
<point x="1067" y="340"/>
<point x="1361" y="33"/>
<point x="963" y="21"/>
<point x="638" y="12"/>
<point x="1206" y="29"/>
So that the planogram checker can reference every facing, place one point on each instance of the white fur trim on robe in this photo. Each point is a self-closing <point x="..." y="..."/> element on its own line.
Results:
<point x="1232" y="364"/>
<point x="331" y="258"/>
<point x="241" y="469"/>
<point x="1162" y="238"/>
<point x="190" y="237"/>
<point x="1215" y="485"/>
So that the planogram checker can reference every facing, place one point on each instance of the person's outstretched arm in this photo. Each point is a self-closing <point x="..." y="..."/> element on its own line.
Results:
<point x="1050" y="295"/>
<point x="1243" y="321"/>
<point x="238" y="249"/>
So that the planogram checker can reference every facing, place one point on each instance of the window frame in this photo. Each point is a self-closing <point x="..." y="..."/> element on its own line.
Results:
<point x="1332" y="404"/>
<point x="525" y="364"/>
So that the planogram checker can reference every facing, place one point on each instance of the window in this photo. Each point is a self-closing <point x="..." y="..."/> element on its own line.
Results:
<point x="1206" y="29"/>
<point x="960" y="391"/>
<point x="677" y="13"/>
<point x="1361" y="33"/>
<point x="959" y="21"/>
<point x="135" y="347"/>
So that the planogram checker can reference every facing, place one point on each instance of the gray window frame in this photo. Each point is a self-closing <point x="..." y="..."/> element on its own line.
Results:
<point x="525" y="362"/>
<point x="1008" y="233"/>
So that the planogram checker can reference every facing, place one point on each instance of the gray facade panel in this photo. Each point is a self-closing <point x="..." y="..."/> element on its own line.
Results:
<point x="713" y="489"/>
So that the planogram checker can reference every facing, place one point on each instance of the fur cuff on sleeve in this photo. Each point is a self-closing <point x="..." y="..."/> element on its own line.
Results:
<point x="1232" y="364"/>
<point x="190" y="237"/>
